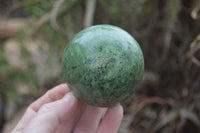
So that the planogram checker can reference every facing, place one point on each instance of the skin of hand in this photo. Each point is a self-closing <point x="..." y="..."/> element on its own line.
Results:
<point x="58" y="111"/>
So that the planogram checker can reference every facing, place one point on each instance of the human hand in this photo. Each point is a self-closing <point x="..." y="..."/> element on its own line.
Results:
<point x="58" y="111"/>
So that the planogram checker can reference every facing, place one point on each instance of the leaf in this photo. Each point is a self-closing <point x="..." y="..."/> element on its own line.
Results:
<point x="25" y="3"/>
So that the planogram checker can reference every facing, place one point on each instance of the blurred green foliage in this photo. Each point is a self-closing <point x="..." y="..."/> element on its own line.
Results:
<point x="164" y="28"/>
<point x="39" y="9"/>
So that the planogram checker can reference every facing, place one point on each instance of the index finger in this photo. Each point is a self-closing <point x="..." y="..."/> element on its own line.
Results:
<point x="50" y="96"/>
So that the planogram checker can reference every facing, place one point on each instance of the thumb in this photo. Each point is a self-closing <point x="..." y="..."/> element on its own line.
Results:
<point x="51" y="115"/>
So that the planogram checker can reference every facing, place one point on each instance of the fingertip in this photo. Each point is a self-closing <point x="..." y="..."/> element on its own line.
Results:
<point x="89" y="119"/>
<point x="119" y="109"/>
<point x="63" y="86"/>
<point x="70" y="99"/>
<point x="52" y="95"/>
<point x="120" y="112"/>
<point x="111" y="120"/>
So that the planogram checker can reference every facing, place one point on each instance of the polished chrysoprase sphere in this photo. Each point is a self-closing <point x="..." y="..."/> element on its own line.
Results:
<point x="103" y="65"/>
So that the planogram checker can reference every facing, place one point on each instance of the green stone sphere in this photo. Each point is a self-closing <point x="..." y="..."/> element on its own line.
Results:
<point x="103" y="65"/>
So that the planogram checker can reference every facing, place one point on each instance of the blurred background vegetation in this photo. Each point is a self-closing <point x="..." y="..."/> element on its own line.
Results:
<point x="34" y="34"/>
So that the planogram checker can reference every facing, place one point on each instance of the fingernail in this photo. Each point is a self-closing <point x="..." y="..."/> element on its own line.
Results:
<point x="69" y="97"/>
